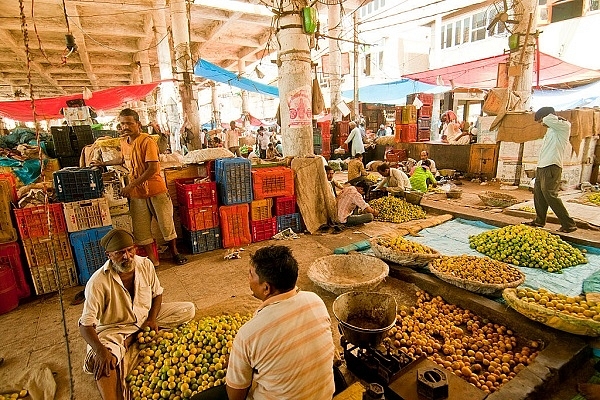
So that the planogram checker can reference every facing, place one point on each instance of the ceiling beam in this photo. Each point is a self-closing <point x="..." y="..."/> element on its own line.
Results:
<point x="73" y="14"/>
<point x="7" y="38"/>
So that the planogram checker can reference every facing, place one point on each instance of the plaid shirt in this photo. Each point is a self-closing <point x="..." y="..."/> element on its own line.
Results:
<point x="347" y="201"/>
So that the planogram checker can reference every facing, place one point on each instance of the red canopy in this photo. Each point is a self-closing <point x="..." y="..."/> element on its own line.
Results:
<point x="49" y="108"/>
<point x="482" y="73"/>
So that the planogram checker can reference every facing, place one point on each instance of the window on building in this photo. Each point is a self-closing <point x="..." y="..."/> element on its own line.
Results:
<point x="499" y="28"/>
<point x="478" y="26"/>
<point x="457" y="33"/>
<point x="466" y="30"/>
<point x="368" y="64"/>
<point x="370" y="8"/>
<point x="382" y="3"/>
<point x="443" y="38"/>
<point x="594" y="5"/>
<point x="375" y="5"/>
<point x="448" y="35"/>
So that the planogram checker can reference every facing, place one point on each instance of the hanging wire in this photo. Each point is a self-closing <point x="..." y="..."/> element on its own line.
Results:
<point x="56" y="271"/>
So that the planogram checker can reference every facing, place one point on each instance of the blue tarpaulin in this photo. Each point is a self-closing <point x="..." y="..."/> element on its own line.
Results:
<point x="393" y="92"/>
<point x="567" y="99"/>
<point x="215" y="73"/>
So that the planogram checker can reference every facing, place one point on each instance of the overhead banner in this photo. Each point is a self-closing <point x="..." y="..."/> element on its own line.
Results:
<point x="215" y="73"/>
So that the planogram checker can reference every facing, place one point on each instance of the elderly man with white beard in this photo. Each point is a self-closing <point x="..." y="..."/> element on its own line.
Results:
<point x="122" y="298"/>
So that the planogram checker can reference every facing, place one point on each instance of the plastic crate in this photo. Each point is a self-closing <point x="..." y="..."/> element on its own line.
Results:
<point x="425" y="112"/>
<point x="199" y="218"/>
<point x="263" y="230"/>
<point x="141" y="251"/>
<point x="289" y="221"/>
<point x="39" y="221"/>
<point x="425" y="98"/>
<point x="424" y="123"/>
<point x="12" y="180"/>
<point x="396" y="156"/>
<point x="8" y="233"/>
<point x="261" y="209"/>
<point x="82" y="136"/>
<point x="317" y="139"/>
<point x="398" y="115"/>
<point x="423" y="135"/>
<point x="61" y="137"/>
<point x="101" y="133"/>
<point x="273" y="182"/>
<point x="409" y="114"/>
<point x="374" y="194"/>
<point x="86" y="214"/>
<point x="45" y="278"/>
<point x="89" y="253"/>
<point x="10" y="255"/>
<point x="190" y="194"/>
<point x="234" y="180"/>
<point x="317" y="149"/>
<point x="325" y="127"/>
<point x="202" y="241"/>
<point x="408" y="133"/>
<point x="69" y="162"/>
<point x="285" y="205"/>
<point x="235" y="225"/>
<point x="43" y="251"/>
<point x="74" y="184"/>
<point x="122" y="221"/>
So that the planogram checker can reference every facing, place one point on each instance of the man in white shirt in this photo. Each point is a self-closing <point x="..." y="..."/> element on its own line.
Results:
<point x="549" y="170"/>
<point x="232" y="139"/>
<point x="262" y="141"/>
<point x="394" y="179"/>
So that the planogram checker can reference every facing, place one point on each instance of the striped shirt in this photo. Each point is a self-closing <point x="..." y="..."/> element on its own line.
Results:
<point x="285" y="351"/>
<point x="347" y="201"/>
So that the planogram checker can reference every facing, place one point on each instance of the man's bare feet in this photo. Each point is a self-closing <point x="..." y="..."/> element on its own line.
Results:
<point x="591" y="391"/>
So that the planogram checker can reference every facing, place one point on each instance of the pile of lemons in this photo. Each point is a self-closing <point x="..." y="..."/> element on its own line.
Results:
<point x="594" y="198"/>
<point x="577" y="306"/>
<point x="399" y="243"/>
<point x="393" y="209"/>
<point x="189" y="359"/>
<point x="526" y="246"/>
<point x="14" y="395"/>
<point x="479" y="269"/>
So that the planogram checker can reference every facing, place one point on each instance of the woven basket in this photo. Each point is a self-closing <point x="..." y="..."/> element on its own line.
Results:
<point x="551" y="318"/>
<point x="413" y="260"/>
<point x="413" y="197"/>
<point x="493" y="199"/>
<point x="454" y="194"/>
<point x="340" y="273"/>
<point x="487" y="289"/>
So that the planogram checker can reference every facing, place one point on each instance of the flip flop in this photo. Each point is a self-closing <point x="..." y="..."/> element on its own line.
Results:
<point x="180" y="259"/>
<point x="567" y="230"/>
<point x="78" y="299"/>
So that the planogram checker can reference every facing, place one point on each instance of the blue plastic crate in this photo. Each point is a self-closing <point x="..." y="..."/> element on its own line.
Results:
<point x="75" y="184"/>
<point x="289" y="221"/>
<point x="89" y="254"/>
<point x="202" y="241"/>
<point x="234" y="180"/>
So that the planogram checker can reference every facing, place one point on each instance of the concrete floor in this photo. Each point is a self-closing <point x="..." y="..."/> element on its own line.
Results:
<point x="33" y="335"/>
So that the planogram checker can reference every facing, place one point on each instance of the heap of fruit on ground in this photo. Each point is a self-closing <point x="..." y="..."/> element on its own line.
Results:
<point x="594" y="198"/>
<point x="478" y="269"/>
<point x="484" y="354"/>
<point x="189" y="359"/>
<point x="399" y="243"/>
<point x="576" y="306"/>
<point x="526" y="246"/>
<point x="394" y="209"/>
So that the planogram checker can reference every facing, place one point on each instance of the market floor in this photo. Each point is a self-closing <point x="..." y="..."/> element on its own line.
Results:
<point x="36" y="334"/>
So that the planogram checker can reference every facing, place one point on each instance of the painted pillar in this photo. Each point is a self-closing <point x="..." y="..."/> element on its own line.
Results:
<point x="335" y="59"/>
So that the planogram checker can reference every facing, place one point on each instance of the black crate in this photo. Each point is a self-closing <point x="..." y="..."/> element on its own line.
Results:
<point x="424" y="123"/>
<point x="317" y="149"/>
<point x="374" y="194"/>
<point x="82" y="137"/>
<point x="61" y="136"/>
<point x="104" y="132"/>
<point x="72" y="161"/>
<point x="202" y="241"/>
<point x="76" y="184"/>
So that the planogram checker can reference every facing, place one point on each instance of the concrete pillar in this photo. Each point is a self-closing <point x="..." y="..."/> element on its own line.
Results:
<point x="335" y="59"/>
<point x="144" y="61"/>
<point x="185" y="68"/>
<point x="215" y="105"/>
<point x="295" y="84"/>
<point x="245" y="111"/>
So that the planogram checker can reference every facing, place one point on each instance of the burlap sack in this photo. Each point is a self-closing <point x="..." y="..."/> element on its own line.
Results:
<point x="519" y="127"/>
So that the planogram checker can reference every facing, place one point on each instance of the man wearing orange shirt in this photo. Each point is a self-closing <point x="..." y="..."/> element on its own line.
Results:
<point x="147" y="191"/>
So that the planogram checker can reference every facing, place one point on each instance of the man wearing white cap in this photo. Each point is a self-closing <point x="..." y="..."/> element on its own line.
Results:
<point x="122" y="298"/>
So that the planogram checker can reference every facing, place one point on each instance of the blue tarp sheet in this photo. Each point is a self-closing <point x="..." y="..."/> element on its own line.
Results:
<point x="393" y="92"/>
<point x="215" y="73"/>
<point x="452" y="238"/>
<point x="567" y="99"/>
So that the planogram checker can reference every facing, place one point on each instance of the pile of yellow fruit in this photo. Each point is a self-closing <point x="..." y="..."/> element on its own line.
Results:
<point x="372" y="178"/>
<point x="528" y="247"/>
<point x="594" y="198"/>
<point x="479" y="269"/>
<point x="576" y="306"/>
<point x="485" y="354"/>
<point x="189" y="359"/>
<point x="14" y="395"/>
<point x="399" y="243"/>
<point x="394" y="209"/>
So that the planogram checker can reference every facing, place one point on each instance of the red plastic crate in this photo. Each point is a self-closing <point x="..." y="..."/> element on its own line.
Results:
<point x="343" y="128"/>
<point x="423" y="135"/>
<point x="425" y="112"/>
<point x="235" y="225"/>
<point x="32" y="222"/>
<point x="13" y="183"/>
<point x="141" y="251"/>
<point x="396" y="156"/>
<point x="190" y="194"/>
<point x="263" y="230"/>
<point x="272" y="182"/>
<point x="398" y="133"/>
<point x="199" y="218"/>
<point x="425" y="98"/>
<point x="10" y="255"/>
<point x="285" y="205"/>
<point x="325" y="127"/>
<point x="408" y="133"/>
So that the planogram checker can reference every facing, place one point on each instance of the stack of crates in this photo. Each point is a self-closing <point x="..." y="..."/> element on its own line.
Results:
<point x="118" y="205"/>
<point x="199" y="213"/>
<point x="406" y="124"/>
<point x="278" y="183"/>
<point x="68" y="142"/>
<point x="263" y="226"/>
<point x="342" y="131"/>
<point x="317" y="141"/>
<point x="9" y="248"/>
<point x="234" y="186"/>
<point x="325" y="128"/>
<point x="87" y="215"/>
<point x="423" y="115"/>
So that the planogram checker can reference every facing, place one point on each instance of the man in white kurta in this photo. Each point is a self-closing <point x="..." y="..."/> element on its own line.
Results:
<point x="355" y="137"/>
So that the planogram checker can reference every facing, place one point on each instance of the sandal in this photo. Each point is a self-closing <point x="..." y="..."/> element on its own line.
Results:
<point x="533" y="223"/>
<point x="78" y="299"/>
<point x="567" y="230"/>
<point x="179" y="259"/>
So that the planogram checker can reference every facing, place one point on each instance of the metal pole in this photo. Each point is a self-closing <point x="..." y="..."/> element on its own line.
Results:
<point x="355" y="28"/>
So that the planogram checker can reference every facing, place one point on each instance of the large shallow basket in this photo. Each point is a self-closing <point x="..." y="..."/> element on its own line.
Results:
<point x="493" y="199"/>
<point x="340" y="273"/>
<point x="413" y="197"/>
<point x="487" y="289"/>
<point x="551" y="318"/>
<point x="413" y="260"/>
<point x="454" y="194"/>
